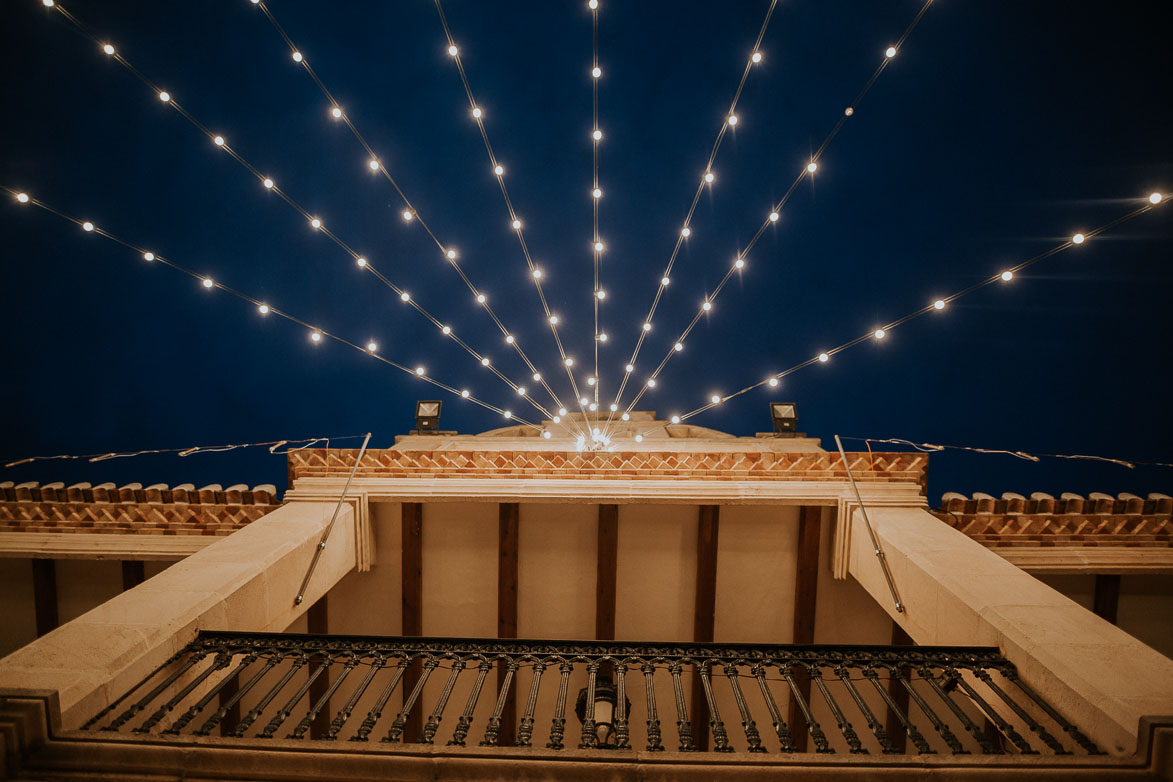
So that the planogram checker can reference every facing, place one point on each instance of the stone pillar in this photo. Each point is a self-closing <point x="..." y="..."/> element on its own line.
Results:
<point x="958" y="592"/>
<point x="246" y="581"/>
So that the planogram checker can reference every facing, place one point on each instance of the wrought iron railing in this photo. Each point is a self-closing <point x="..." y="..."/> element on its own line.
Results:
<point x="387" y="691"/>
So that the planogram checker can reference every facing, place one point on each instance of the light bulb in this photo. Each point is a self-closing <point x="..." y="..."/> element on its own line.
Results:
<point x="22" y="197"/>
<point x="715" y="399"/>
<point x="823" y="357"/>
<point x="812" y="167"/>
<point x="419" y="371"/>
<point x="679" y="346"/>
<point x="686" y="232"/>
<point x="521" y="390"/>
<point x="569" y="362"/>
<point x="757" y="57"/>
<point x="557" y="419"/>
<point x="561" y="411"/>
<point x="598" y="193"/>
<point x="583" y="401"/>
<point x="481" y="298"/>
<point x="597" y="135"/>
<point x="648" y="326"/>
<point x="516" y="225"/>
<point x="148" y="256"/>
<point x="477" y="113"/>
<point x="773" y="382"/>
<point x="773" y="217"/>
<point x="596" y="72"/>
<point x="879" y="333"/>
<point x="537" y="274"/>
<point x="891" y="52"/>
<point x="87" y="226"/>
<point x="208" y="283"/>
<point x="407" y="215"/>
<point x="546" y="435"/>
<point x="108" y="49"/>
<point x="485" y="361"/>
<point x="537" y="377"/>
<point x="675" y="419"/>
<point x="707" y="306"/>
<point x="1155" y="198"/>
<point x="316" y="223"/>
<point x="664" y="281"/>
<point x="263" y="309"/>
<point x="629" y="368"/>
<point x="590" y="381"/>
<point x="603" y="337"/>
<point x="847" y="112"/>
<point x="624" y="417"/>
<point x="553" y="320"/>
<point x="592" y="407"/>
<point x="405" y="296"/>
<point x="614" y="408"/>
<point x="297" y="57"/>
<point x="372" y="346"/>
<point x="1007" y="276"/>
<point x="598" y="247"/>
<point x="218" y="141"/>
<point x="316" y="336"/>
<point x="451" y="255"/>
<point x="651" y="382"/>
<point x="268" y="183"/>
<point x="939" y="304"/>
<point x="639" y="438"/>
<point x="739" y="263"/>
<point x="1078" y="239"/>
<point x="593" y="5"/>
<point x="709" y="177"/>
<point x="336" y="112"/>
<point x="165" y="96"/>
<point x="446" y="330"/>
<point x="602" y="294"/>
<point x="47" y="3"/>
<point x="453" y="51"/>
<point x="498" y="170"/>
<point x="732" y="120"/>
<point x="464" y="394"/>
<point x="373" y="164"/>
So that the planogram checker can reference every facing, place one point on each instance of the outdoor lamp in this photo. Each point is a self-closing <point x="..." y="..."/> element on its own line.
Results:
<point x="427" y="415"/>
<point x="785" y="415"/>
<point x="606" y="697"/>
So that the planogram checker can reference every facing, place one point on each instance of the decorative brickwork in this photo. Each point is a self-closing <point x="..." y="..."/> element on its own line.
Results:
<point x="658" y="465"/>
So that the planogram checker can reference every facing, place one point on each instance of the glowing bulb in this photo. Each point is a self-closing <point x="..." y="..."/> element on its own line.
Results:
<point x="537" y="274"/>
<point x="601" y="294"/>
<point x="639" y="438"/>
<point x="208" y="282"/>
<point x="47" y="3"/>
<point x="939" y="304"/>
<point x="336" y="113"/>
<point x="477" y="113"/>
<point x="624" y="417"/>
<point x="481" y="298"/>
<point x="648" y="326"/>
<point x="316" y="337"/>
<point x="556" y="419"/>
<point x="569" y="362"/>
<point x="148" y="256"/>
<point x="597" y="135"/>
<point x="453" y="51"/>
<point x="464" y="394"/>
<point x="709" y="177"/>
<point x="521" y="390"/>
<point x="446" y="330"/>
<point x="603" y="337"/>
<point x="593" y="5"/>
<point x="561" y="411"/>
<point x="419" y="371"/>
<point x="879" y="333"/>
<point x="663" y="281"/>
<point x="812" y="167"/>
<point x="373" y="164"/>
<point x="757" y="57"/>
<point x="592" y="407"/>
<point x="583" y="401"/>
<point x="316" y="223"/>
<point x="1078" y="239"/>
<point x="108" y="49"/>
<point x="1007" y="276"/>
<point x="219" y="141"/>
<point x="590" y="381"/>
<point x="891" y="52"/>
<point x="732" y="120"/>
<point x="516" y="225"/>
<point x="509" y="339"/>
<point x="407" y="215"/>
<point x="614" y="408"/>
<point x="553" y="320"/>
<point x="651" y="382"/>
<point x="629" y="368"/>
<point x="165" y="97"/>
<point x="598" y="247"/>
<point x="372" y="346"/>
<point x="598" y="193"/>
<point x="596" y="72"/>
<point x="847" y="112"/>
<point x="707" y="306"/>
<point x="405" y="296"/>
<point x="297" y="57"/>
<point x="773" y="382"/>
<point x="823" y="357"/>
<point x="537" y="377"/>
<point x="675" y="419"/>
<point x="715" y="399"/>
<point x="773" y="217"/>
<point x="686" y="232"/>
<point x="87" y="226"/>
<point x="22" y="197"/>
<point x="498" y="170"/>
<point x="679" y="346"/>
<point x="1155" y="198"/>
<point x="739" y="263"/>
<point x="263" y="309"/>
<point x="268" y="183"/>
<point x="546" y="435"/>
<point x="451" y="255"/>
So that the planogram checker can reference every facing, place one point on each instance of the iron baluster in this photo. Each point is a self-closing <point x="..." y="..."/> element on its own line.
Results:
<point x="654" y="742"/>
<point x="368" y="724"/>
<point x="344" y="714"/>
<point x="203" y="702"/>
<point x="621" y="741"/>
<point x="939" y="724"/>
<point x="526" y="731"/>
<point x="751" y="729"/>
<point x="558" y="724"/>
<point x="914" y="735"/>
<point x="220" y="661"/>
<point x="1034" y="725"/>
<point x="142" y="702"/>
<point x="226" y="707"/>
<point x="494" y="726"/>
<point x="683" y="727"/>
<point x="816" y="732"/>
<point x="993" y="714"/>
<point x="720" y="737"/>
<point x="316" y="708"/>
<point x="284" y="712"/>
<point x="869" y="717"/>
<point x="759" y="672"/>
<point x="462" y="724"/>
<point x="433" y="723"/>
<point x="1075" y="733"/>
<point x="816" y="674"/>
<point x="588" y="739"/>
<point x="978" y="734"/>
<point x="400" y="722"/>
<point x="255" y="712"/>
<point x="114" y="704"/>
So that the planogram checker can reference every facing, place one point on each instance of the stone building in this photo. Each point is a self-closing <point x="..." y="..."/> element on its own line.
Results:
<point x="691" y="605"/>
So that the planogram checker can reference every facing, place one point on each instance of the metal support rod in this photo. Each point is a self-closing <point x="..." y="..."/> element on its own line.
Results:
<point x="329" y="527"/>
<point x="871" y="533"/>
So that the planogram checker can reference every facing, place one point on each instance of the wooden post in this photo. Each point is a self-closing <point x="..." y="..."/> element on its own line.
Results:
<point x="608" y="551"/>
<point x="133" y="573"/>
<point x="412" y="582"/>
<point x="45" y="595"/>
<point x="899" y="694"/>
<point x="508" y="513"/>
<point x="705" y="613"/>
<point x="806" y="587"/>
<point x="1106" y="601"/>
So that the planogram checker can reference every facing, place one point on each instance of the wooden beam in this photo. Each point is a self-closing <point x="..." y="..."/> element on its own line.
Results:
<point x="608" y="554"/>
<point x="507" y="607"/>
<point x="705" y="612"/>
<point x="317" y="623"/>
<point x="1106" y="601"/>
<point x="413" y="583"/>
<point x="45" y="595"/>
<point x="133" y="573"/>
<point x="899" y="693"/>
<point x="806" y="587"/>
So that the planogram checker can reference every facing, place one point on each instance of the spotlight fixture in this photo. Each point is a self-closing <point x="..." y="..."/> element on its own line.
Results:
<point x="427" y="415"/>
<point x="785" y="417"/>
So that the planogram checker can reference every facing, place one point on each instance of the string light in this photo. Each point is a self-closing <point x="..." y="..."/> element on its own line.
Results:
<point x="709" y="177"/>
<point x="165" y="97"/>
<point x="477" y="113"/>
<point x="600" y="294"/>
<point x="651" y="382"/>
<point x="774" y="217"/>
<point x="879" y="333"/>
<point x="648" y="326"/>
<point x="22" y="197"/>
<point x="485" y="361"/>
<point x="1077" y="239"/>
<point x="108" y="49"/>
<point x="537" y="377"/>
<point x="297" y="57"/>
<point x="509" y="339"/>
<point x="453" y="51"/>
<point x="939" y="304"/>
<point x="316" y="336"/>
<point x="812" y="167"/>
<point x="516" y="225"/>
<point x="361" y="262"/>
<point x="639" y="438"/>
<point x="824" y="358"/>
<point x="675" y="419"/>
<point x="602" y="336"/>
<point x="87" y="226"/>
<point x="598" y="193"/>
<point x="407" y="215"/>
<point x="208" y="282"/>
<point x="890" y="52"/>
<point x="1155" y="198"/>
<point x="268" y="183"/>
<point x="597" y="135"/>
<point x="405" y="297"/>
<point x="596" y="72"/>
<point x="521" y="390"/>
<point x="1007" y="276"/>
<point x="452" y="257"/>
<point x="446" y="330"/>
<point x="664" y="282"/>
<point x="373" y="165"/>
<point x="739" y="263"/>
<point x="507" y="414"/>
<point x="263" y="309"/>
<point x="372" y="346"/>
<point x="554" y="322"/>
<point x="678" y="347"/>
<point x="481" y="298"/>
<point x="464" y="394"/>
<point x="419" y="371"/>
<point x="756" y="58"/>
<point x="707" y="306"/>
<point x="316" y="223"/>
<point x="629" y="368"/>
<point x="686" y="232"/>
<point x="598" y="247"/>
<point x="148" y="256"/>
<point x="537" y="273"/>
<point x="499" y="170"/>
<point x="336" y="113"/>
<point x="546" y="435"/>
<point x="625" y="416"/>
<point x="732" y="120"/>
<point x="773" y="382"/>
<point x="715" y="399"/>
<point x="218" y="141"/>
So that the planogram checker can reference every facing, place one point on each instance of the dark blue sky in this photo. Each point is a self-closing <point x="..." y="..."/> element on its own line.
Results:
<point x="998" y="131"/>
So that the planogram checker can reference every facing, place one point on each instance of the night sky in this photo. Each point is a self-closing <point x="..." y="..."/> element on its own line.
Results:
<point x="998" y="131"/>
